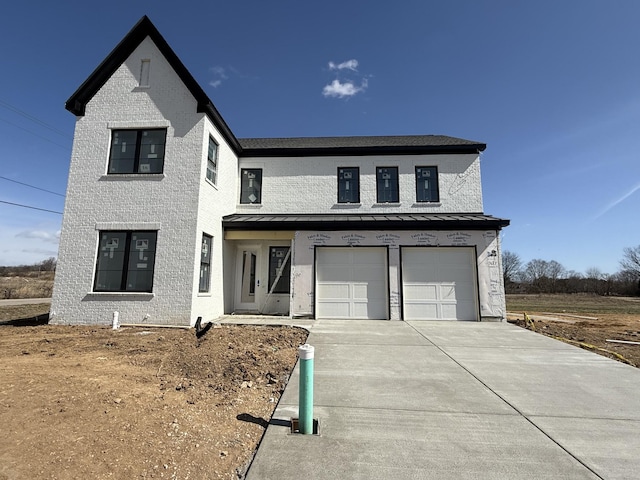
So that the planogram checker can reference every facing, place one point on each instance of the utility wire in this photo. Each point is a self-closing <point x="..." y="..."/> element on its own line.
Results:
<point x="28" y="206"/>
<point x="32" y="186"/>
<point x="33" y="119"/>
<point x="34" y="133"/>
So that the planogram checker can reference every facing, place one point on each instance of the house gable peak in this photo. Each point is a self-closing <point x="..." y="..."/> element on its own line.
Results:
<point x="76" y="104"/>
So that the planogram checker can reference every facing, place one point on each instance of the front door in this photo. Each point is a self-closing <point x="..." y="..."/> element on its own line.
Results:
<point x="247" y="279"/>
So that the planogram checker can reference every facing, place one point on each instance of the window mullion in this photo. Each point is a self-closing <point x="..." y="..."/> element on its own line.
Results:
<point x="125" y="261"/>
<point x="136" y="160"/>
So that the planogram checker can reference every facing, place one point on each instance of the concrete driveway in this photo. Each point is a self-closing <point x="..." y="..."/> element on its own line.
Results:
<point x="455" y="400"/>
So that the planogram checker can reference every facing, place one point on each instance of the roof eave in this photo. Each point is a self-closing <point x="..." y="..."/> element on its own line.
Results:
<point x="76" y="104"/>
<point x="344" y="224"/>
<point x="372" y="150"/>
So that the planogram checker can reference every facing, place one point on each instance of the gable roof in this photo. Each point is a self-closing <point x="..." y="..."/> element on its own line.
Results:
<point x="141" y="30"/>
<point x="389" y="145"/>
<point x="259" y="147"/>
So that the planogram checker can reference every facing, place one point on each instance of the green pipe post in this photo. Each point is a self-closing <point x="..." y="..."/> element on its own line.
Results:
<point x="305" y="404"/>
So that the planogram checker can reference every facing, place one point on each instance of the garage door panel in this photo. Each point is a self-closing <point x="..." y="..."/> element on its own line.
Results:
<point x="447" y="292"/>
<point x="427" y="292"/>
<point x="334" y="273"/>
<point x="333" y="256"/>
<point x="439" y="283"/>
<point x="334" y="309"/>
<point x="334" y="291"/>
<point x="365" y="272"/>
<point x="421" y="310"/>
<point x="351" y="282"/>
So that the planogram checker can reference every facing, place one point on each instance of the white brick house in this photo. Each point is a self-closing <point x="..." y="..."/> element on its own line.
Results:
<point x="169" y="216"/>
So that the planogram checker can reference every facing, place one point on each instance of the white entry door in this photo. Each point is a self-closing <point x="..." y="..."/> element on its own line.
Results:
<point x="247" y="279"/>
<point x="439" y="283"/>
<point x="351" y="282"/>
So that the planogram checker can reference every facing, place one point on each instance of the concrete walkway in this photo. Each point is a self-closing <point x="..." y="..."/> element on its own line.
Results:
<point x="455" y="400"/>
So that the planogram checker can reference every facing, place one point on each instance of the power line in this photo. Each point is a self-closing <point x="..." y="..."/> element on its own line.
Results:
<point x="32" y="186"/>
<point x="28" y="206"/>
<point x="33" y="119"/>
<point x="34" y="133"/>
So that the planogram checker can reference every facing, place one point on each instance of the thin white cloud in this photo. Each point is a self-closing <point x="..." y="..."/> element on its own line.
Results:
<point x="49" y="237"/>
<point x="219" y="75"/>
<point x="337" y="89"/>
<point x="349" y="64"/>
<point x="618" y="201"/>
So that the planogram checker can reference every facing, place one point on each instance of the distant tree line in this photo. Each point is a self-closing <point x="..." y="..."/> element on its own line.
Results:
<point x="542" y="276"/>
<point x="48" y="265"/>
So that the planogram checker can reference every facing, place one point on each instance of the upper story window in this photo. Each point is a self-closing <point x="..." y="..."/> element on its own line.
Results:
<point x="137" y="151"/>
<point x="348" y="185"/>
<point x="427" y="184"/>
<point x="251" y="185"/>
<point x="212" y="161"/>
<point x="145" y="67"/>
<point x="387" y="185"/>
<point x="125" y="261"/>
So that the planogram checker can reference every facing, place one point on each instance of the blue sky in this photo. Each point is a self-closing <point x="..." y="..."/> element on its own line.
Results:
<point x="552" y="88"/>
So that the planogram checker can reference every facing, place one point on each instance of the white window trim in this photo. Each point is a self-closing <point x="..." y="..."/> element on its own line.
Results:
<point x="138" y="124"/>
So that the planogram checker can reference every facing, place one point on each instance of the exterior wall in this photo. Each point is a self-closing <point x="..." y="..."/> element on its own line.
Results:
<point x="167" y="202"/>
<point x="490" y="284"/>
<point x="309" y="184"/>
<point x="214" y="202"/>
<point x="275" y="304"/>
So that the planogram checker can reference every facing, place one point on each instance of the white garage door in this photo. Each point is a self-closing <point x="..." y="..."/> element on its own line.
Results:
<point x="439" y="283"/>
<point x="351" y="282"/>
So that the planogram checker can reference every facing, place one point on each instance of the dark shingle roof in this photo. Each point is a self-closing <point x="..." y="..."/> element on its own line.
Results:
<point x="401" y="144"/>
<point x="341" y="221"/>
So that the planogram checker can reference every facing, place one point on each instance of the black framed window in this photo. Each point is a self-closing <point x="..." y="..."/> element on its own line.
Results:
<point x="212" y="161"/>
<point x="205" y="263"/>
<point x="125" y="261"/>
<point x="427" y="184"/>
<point x="279" y="263"/>
<point x="251" y="185"/>
<point x="137" y="151"/>
<point x="348" y="185"/>
<point x="387" y="185"/>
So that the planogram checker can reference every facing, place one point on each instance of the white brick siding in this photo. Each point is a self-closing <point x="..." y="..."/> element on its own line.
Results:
<point x="181" y="204"/>
<point x="171" y="200"/>
<point x="309" y="184"/>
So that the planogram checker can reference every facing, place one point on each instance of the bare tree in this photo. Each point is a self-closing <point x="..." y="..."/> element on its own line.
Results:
<point x="555" y="271"/>
<point x="48" y="265"/>
<point x="511" y="265"/>
<point x="631" y="260"/>
<point x="536" y="273"/>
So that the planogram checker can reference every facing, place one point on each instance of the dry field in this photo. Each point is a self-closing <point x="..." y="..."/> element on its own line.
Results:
<point x="588" y="321"/>
<point x="32" y="285"/>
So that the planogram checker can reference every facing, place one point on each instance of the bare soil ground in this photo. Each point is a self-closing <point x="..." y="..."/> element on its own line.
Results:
<point x="610" y="318"/>
<point x="91" y="402"/>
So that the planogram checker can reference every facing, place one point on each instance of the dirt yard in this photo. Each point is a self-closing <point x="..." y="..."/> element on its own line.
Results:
<point x="585" y="321"/>
<point x="90" y="402"/>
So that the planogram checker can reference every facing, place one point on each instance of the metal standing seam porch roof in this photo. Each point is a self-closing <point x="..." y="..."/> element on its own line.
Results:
<point x="400" y="221"/>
